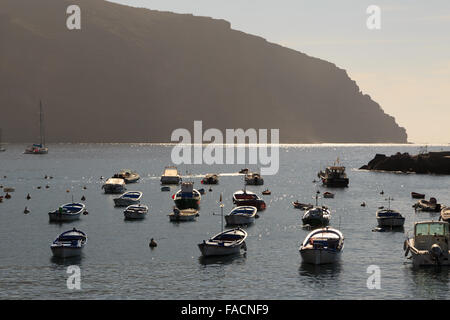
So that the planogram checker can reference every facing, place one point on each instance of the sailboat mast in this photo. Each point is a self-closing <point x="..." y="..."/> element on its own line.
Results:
<point x="41" y="127"/>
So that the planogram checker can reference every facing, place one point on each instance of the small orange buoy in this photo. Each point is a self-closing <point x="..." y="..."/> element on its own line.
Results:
<point x="67" y="190"/>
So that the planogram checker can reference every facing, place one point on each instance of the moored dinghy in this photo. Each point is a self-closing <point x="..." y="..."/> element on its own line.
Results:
<point x="389" y="217"/>
<point x="322" y="246"/>
<point x="69" y="244"/>
<point x="224" y="243"/>
<point x="128" y="198"/>
<point x="67" y="212"/>
<point x="241" y="215"/>
<point x="170" y="176"/>
<point x="114" y="185"/>
<point x="248" y="198"/>
<point x="135" y="211"/>
<point x="129" y="176"/>
<point x="183" y="215"/>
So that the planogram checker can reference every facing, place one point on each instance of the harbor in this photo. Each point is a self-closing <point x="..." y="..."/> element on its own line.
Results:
<point x="118" y="262"/>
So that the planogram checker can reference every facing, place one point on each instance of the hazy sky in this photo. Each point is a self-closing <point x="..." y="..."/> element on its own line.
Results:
<point x="404" y="66"/>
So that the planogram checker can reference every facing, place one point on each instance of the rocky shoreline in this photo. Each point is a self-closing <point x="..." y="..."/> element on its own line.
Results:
<point x="426" y="163"/>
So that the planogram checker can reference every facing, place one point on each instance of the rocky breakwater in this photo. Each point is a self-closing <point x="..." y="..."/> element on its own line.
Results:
<point x="426" y="163"/>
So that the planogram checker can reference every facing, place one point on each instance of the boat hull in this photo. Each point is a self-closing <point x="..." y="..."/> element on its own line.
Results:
<point x="121" y="202"/>
<point x="236" y="219"/>
<point x="170" y="180"/>
<point x="63" y="217"/>
<point x="66" y="252"/>
<point x="214" y="250"/>
<point x="110" y="189"/>
<point x="320" y="256"/>
<point x="134" y="215"/>
<point x="391" y="222"/>
<point x="187" y="203"/>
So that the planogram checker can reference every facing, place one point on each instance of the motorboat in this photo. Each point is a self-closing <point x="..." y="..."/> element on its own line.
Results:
<point x="317" y="216"/>
<point x="429" y="245"/>
<point x="389" y="217"/>
<point x="187" y="197"/>
<point x="128" y="198"/>
<point x="430" y="206"/>
<point x="135" y="211"/>
<point x="67" y="212"/>
<point x="170" y="176"/>
<point x="38" y="148"/>
<point x="266" y="192"/>
<point x="129" y="176"/>
<point x="183" y="215"/>
<point x="322" y="246"/>
<point x="210" y="178"/>
<point x="445" y="214"/>
<point x="248" y="198"/>
<point x="252" y="178"/>
<point x="69" y="244"/>
<point x="416" y="195"/>
<point x="334" y="176"/>
<point x="241" y="215"/>
<point x="224" y="243"/>
<point x="328" y="195"/>
<point x="302" y="206"/>
<point x="114" y="185"/>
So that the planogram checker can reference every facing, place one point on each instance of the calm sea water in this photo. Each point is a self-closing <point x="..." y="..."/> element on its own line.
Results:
<point x="117" y="262"/>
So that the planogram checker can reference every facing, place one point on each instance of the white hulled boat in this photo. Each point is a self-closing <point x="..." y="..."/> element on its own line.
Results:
<point x="183" y="215"/>
<point x="39" y="148"/>
<point x="170" y="176"/>
<point x="241" y="215"/>
<point x="128" y="198"/>
<point x="136" y="211"/>
<point x="322" y="246"/>
<point x="224" y="243"/>
<point x="114" y="185"/>
<point x="430" y="243"/>
<point x="67" y="212"/>
<point x="69" y="244"/>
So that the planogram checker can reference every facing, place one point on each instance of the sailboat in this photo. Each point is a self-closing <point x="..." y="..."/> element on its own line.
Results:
<point x="1" y="147"/>
<point x="38" y="148"/>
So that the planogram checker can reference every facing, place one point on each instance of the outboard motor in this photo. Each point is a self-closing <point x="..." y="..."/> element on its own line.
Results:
<point x="436" y="252"/>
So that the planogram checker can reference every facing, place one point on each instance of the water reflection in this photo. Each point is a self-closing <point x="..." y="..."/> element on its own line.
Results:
<point x="329" y="270"/>
<point x="222" y="260"/>
<point x="429" y="282"/>
<point x="66" y="261"/>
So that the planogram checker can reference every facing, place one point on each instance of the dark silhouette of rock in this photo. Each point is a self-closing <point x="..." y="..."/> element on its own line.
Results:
<point x="432" y="162"/>
<point x="135" y="75"/>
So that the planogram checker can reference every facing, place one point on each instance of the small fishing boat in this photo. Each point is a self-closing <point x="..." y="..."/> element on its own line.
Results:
<point x="9" y="189"/>
<point x="266" y="192"/>
<point x="67" y="212"/>
<point x="187" y="197"/>
<point x="183" y="215"/>
<point x="135" y="211"/>
<point x="389" y="217"/>
<point x="129" y="176"/>
<point x="252" y="178"/>
<point x="429" y="245"/>
<point x="69" y="244"/>
<point x="128" y="198"/>
<point x="430" y="206"/>
<point x="334" y="176"/>
<point x="38" y="148"/>
<point x="170" y="176"/>
<point x="210" y="178"/>
<point x="302" y="206"/>
<point x="224" y="243"/>
<point x="322" y="246"/>
<point x="328" y="195"/>
<point x="114" y="185"/>
<point x="241" y="215"/>
<point x="248" y="198"/>
<point x="317" y="216"/>
<point x="445" y="214"/>
<point x="416" y="195"/>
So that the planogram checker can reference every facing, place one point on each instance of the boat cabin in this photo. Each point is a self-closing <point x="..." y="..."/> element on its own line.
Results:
<point x="427" y="233"/>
